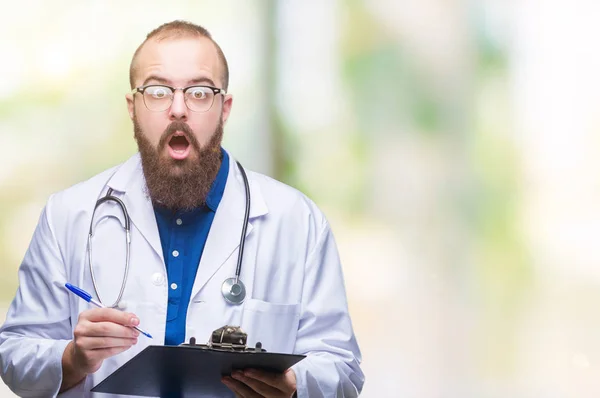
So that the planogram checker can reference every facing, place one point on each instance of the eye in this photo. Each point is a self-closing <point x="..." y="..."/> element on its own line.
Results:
<point x="198" y="93"/>
<point x="158" y="92"/>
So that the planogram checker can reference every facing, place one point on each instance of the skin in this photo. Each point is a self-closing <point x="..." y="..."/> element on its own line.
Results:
<point x="253" y="383"/>
<point x="179" y="63"/>
<point x="102" y="332"/>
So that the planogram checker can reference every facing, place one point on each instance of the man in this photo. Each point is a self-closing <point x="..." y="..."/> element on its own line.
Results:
<point x="186" y="201"/>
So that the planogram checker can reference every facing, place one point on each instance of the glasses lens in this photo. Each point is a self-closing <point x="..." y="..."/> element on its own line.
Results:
<point x="157" y="98"/>
<point x="199" y="98"/>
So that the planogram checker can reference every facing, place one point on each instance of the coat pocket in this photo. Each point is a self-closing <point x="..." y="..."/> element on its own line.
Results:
<point x="274" y="325"/>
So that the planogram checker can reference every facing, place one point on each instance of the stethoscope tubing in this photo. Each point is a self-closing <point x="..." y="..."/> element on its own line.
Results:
<point x="233" y="291"/>
<point x="238" y="269"/>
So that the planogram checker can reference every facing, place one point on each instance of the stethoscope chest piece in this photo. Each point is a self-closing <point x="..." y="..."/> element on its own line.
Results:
<point x="233" y="290"/>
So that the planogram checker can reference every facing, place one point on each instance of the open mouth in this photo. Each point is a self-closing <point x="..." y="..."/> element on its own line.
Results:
<point x="179" y="146"/>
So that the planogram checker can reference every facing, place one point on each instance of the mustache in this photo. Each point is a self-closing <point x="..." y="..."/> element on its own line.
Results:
<point x="182" y="127"/>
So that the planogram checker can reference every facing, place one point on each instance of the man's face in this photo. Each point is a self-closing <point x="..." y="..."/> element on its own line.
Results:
<point x="179" y="146"/>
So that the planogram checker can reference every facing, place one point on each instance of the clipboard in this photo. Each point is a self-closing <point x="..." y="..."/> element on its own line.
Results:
<point x="191" y="370"/>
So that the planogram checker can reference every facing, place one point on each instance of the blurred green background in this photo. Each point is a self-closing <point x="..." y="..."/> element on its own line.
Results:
<point x="452" y="144"/>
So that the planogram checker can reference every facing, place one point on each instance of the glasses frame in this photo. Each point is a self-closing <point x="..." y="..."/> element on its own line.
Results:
<point x="215" y="91"/>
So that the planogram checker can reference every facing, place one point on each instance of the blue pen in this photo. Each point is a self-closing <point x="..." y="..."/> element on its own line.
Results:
<point x="87" y="297"/>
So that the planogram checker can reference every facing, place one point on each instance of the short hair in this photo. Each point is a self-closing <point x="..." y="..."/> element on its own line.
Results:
<point x="176" y="29"/>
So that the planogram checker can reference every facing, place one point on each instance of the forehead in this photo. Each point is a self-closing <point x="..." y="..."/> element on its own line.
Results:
<point x="178" y="60"/>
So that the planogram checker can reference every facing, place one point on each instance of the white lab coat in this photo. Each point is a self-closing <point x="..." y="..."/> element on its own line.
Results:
<point x="296" y="301"/>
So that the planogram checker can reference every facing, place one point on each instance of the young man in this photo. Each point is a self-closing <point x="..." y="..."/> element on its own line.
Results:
<point x="186" y="200"/>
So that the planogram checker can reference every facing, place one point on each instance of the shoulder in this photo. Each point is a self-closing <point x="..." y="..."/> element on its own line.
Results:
<point x="285" y="201"/>
<point x="281" y="194"/>
<point x="84" y="192"/>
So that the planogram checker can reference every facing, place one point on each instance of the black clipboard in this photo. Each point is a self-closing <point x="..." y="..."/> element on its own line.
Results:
<point x="187" y="371"/>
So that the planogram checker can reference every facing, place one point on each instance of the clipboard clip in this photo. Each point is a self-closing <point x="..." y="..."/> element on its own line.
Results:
<point x="227" y="338"/>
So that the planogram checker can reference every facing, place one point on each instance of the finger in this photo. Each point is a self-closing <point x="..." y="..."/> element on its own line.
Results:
<point x="232" y="385"/>
<point x="95" y="357"/>
<point x="290" y="380"/>
<point x="105" y="329"/>
<point x="275" y="380"/>
<point x="94" y="343"/>
<point x="258" y="386"/>
<point x="239" y="389"/>
<point x="103" y="353"/>
<point x="110" y="315"/>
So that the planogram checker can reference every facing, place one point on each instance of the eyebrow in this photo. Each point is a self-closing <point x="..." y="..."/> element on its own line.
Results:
<point x="162" y="80"/>
<point x="202" y="80"/>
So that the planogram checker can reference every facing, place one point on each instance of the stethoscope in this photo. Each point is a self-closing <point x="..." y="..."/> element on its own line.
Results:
<point x="233" y="289"/>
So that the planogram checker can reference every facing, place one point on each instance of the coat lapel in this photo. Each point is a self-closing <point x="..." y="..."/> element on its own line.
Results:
<point x="226" y="229"/>
<point x="129" y="179"/>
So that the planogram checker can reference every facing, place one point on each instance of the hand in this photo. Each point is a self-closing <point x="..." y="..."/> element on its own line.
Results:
<point x="100" y="333"/>
<point x="253" y="383"/>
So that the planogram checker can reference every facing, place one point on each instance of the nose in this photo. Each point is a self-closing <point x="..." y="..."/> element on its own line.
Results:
<point x="178" y="109"/>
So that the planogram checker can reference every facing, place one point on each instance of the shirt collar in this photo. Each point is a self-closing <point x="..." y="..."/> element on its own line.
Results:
<point x="218" y="186"/>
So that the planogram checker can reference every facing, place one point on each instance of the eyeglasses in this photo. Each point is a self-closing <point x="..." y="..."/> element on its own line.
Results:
<point x="158" y="98"/>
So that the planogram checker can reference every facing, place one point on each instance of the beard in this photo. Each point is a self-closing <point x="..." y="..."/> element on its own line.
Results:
<point x="179" y="184"/>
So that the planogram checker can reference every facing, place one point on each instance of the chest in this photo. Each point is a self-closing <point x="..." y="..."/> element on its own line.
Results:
<point x="271" y="269"/>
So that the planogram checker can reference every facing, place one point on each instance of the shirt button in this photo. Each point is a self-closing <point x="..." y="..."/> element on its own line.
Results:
<point x="173" y="286"/>
<point x="158" y="278"/>
<point x="175" y="253"/>
<point x="122" y="304"/>
<point x="178" y="221"/>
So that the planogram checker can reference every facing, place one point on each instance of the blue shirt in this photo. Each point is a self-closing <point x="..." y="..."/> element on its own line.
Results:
<point x="183" y="236"/>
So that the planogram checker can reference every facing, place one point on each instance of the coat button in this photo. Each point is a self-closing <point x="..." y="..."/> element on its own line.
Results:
<point x="122" y="304"/>
<point x="158" y="278"/>
<point x="175" y="253"/>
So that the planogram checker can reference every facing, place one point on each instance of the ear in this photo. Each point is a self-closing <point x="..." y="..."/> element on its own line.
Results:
<point x="227" y="103"/>
<point x="130" y="105"/>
